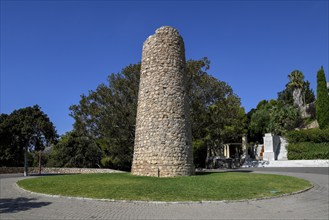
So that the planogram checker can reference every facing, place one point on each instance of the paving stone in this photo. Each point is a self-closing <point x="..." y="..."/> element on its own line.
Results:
<point x="312" y="204"/>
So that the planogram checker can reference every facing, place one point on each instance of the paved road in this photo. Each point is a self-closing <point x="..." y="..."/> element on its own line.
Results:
<point x="313" y="204"/>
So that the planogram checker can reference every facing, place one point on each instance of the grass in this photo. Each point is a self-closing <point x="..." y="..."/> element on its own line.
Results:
<point x="208" y="186"/>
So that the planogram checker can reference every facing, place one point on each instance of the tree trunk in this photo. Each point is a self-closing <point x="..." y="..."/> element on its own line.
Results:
<point x="25" y="162"/>
<point x="40" y="156"/>
<point x="298" y="98"/>
<point x="208" y="156"/>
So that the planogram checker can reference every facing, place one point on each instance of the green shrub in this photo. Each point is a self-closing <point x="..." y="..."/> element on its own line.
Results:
<point x="199" y="153"/>
<point x="106" y="162"/>
<point x="308" y="151"/>
<point x="312" y="135"/>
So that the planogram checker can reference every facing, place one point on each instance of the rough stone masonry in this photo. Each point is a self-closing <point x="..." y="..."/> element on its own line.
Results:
<point x="163" y="145"/>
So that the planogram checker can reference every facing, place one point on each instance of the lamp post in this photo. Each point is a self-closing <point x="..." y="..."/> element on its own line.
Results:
<point x="25" y="161"/>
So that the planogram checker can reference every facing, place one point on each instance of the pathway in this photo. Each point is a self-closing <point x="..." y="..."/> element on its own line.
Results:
<point x="313" y="204"/>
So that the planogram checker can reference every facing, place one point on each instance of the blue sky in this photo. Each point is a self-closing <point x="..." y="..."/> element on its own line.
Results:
<point x="54" y="51"/>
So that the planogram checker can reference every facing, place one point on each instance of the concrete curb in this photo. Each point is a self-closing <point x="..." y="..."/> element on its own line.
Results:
<point x="286" y="163"/>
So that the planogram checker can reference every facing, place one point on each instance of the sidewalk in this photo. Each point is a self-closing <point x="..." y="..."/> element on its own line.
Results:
<point x="313" y="204"/>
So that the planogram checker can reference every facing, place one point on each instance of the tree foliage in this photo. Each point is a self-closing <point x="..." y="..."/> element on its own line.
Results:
<point x="296" y="79"/>
<point x="322" y="101"/>
<point x="259" y="120"/>
<point x="296" y="82"/>
<point x="75" y="150"/>
<point x="283" y="118"/>
<point x="28" y="128"/>
<point x="216" y="113"/>
<point x="286" y="95"/>
<point x="281" y="115"/>
<point x="108" y="114"/>
<point x="272" y="117"/>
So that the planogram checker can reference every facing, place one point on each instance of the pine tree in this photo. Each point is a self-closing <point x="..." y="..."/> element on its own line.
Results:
<point x="322" y="101"/>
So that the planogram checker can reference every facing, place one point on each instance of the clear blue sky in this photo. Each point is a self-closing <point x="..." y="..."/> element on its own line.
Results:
<point x="54" y="51"/>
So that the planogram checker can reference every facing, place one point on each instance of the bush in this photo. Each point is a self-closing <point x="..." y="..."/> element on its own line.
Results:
<point x="106" y="162"/>
<point x="308" y="151"/>
<point x="75" y="151"/>
<point x="312" y="135"/>
<point x="199" y="153"/>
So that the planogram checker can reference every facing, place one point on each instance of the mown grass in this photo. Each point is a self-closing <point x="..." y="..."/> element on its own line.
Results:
<point x="208" y="186"/>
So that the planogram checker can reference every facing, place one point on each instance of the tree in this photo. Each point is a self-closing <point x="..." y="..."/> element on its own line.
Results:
<point x="286" y="95"/>
<point x="309" y="94"/>
<point x="259" y="121"/>
<point x="26" y="129"/>
<point x="297" y="84"/>
<point x="108" y="114"/>
<point x="75" y="150"/>
<point x="280" y="115"/>
<point x="283" y="118"/>
<point x="216" y="113"/>
<point x="226" y="124"/>
<point x="275" y="117"/>
<point x="10" y="153"/>
<point x="322" y="101"/>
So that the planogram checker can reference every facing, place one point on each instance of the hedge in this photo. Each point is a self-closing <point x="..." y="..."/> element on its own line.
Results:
<point x="308" y="151"/>
<point x="312" y="135"/>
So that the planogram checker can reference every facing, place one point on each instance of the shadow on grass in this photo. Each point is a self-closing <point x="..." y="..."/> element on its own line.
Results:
<point x="10" y="205"/>
<point x="15" y="175"/>
<point x="53" y="174"/>
<point x="208" y="172"/>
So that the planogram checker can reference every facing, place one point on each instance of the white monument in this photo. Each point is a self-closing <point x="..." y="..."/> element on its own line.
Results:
<point x="274" y="147"/>
<point x="268" y="147"/>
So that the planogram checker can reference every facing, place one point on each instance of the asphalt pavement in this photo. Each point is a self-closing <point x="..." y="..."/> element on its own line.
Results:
<point x="16" y="203"/>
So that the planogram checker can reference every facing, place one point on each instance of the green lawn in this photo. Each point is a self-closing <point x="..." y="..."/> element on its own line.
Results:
<point x="208" y="186"/>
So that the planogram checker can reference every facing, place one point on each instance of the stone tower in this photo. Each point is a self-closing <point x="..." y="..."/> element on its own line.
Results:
<point x="163" y="145"/>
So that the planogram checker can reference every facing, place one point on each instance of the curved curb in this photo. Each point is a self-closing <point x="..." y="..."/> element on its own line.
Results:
<point x="165" y="202"/>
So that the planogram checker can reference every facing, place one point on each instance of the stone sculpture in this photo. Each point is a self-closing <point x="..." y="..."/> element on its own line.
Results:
<point x="163" y="145"/>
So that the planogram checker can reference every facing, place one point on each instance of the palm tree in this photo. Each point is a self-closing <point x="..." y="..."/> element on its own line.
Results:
<point x="297" y="83"/>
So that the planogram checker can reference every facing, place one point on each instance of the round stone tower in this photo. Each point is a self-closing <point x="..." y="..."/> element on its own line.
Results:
<point x="163" y="145"/>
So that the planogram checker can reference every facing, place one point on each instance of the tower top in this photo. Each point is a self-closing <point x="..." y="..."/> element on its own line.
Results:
<point x="167" y="30"/>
